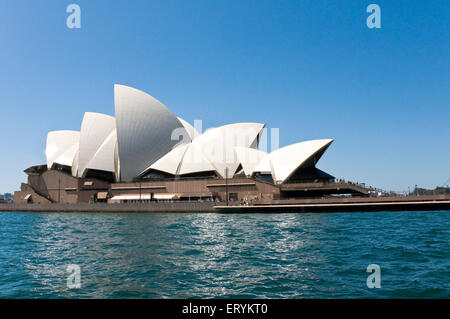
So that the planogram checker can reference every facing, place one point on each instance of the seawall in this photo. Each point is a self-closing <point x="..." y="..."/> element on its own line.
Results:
<point x="363" y="204"/>
<point x="175" y="207"/>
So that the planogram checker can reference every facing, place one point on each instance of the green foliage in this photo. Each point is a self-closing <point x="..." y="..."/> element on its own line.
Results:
<point x="436" y="191"/>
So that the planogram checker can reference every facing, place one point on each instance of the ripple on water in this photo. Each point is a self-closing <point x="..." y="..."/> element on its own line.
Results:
<point x="225" y="256"/>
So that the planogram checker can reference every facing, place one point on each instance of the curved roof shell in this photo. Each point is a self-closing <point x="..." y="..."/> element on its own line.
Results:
<point x="103" y="158"/>
<point x="265" y="166"/>
<point x="250" y="158"/>
<point x="218" y="145"/>
<point x="96" y="150"/>
<point x="170" y="162"/>
<point x="145" y="130"/>
<point x="61" y="147"/>
<point x="285" y="161"/>
<point x="194" y="161"/>
<point x="212" y="151"/>
<point x="193" y="133"/>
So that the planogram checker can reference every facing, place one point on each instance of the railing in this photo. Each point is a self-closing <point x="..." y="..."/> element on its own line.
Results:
<point x="104" y="207"/>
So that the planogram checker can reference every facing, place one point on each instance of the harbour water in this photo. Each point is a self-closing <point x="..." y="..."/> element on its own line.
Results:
<point x="138" y="255"/>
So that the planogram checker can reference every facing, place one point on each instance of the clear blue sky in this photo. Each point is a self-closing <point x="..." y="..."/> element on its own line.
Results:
<point x="311" y="68"/>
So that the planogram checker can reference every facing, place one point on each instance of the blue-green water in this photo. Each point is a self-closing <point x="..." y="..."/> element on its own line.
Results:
<point x="227" y="256"/>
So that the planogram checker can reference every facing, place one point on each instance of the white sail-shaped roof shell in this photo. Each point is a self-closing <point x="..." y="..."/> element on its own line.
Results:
<point x="170" y="162"/>
<point x="61" y="147"/>
<point x="96" y="150"/>
<point x="67" y="157"/>
<point x="212" y="151"/>
<point x="218" y="144"/>
<point x="75" y="164"/>
<point x="193" y="133"/>
<point x="145" y="130"/>
<point x="103" y="158"/>
<point x="182" y="160"/>
<point x="250" y="158"/>
<point x="194" y="161"/>
<point x="265" y="166"/>
<point x="285" y="161"/>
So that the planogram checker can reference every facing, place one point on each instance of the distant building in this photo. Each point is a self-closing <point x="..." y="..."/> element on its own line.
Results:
<point x="6" y="198"/>
<point x="146" y="153"/>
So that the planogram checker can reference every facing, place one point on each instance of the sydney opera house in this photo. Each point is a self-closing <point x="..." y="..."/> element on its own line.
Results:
<point x="147" y="153"/>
